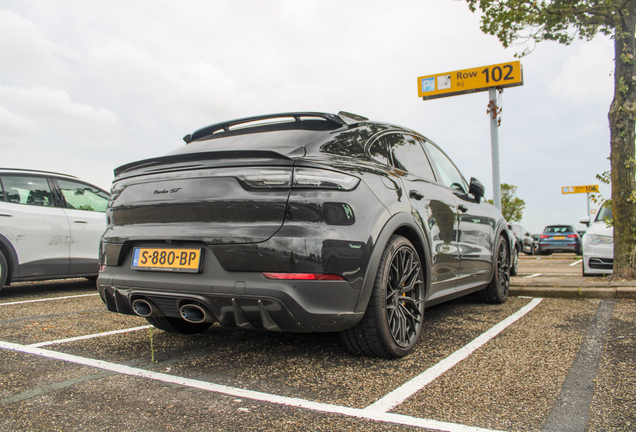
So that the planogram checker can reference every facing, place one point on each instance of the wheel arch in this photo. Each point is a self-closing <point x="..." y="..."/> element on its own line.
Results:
<point x="401" y="224"/>
<point x="11" y="256"/>
<point x="501" y="230"/>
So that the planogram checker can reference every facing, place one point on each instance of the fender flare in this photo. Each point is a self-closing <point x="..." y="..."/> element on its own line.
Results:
<point x="502" y="230"/>
<point x="395" y="222"/>
<point x="11" y="256"/>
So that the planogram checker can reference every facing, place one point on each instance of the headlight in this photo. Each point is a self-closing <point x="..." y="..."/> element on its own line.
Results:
<point x="599" y="239"/>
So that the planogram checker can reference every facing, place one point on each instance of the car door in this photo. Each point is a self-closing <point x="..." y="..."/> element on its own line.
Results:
<point x="476" y="227"/>
<point x="86" y="205"/>
<point x="33" y="222"/>
<point x="433" y="204"/>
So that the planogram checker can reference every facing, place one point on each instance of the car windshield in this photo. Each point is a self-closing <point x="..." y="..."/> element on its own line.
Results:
<point x="558" y="229"/>
<point x="604" y="214"/>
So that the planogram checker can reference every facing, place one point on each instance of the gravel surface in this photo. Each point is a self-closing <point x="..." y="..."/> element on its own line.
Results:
<point x="614" y="403"/>
<point x="511" y="383"/>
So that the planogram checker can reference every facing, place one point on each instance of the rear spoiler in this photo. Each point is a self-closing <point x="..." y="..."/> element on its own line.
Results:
<point x="342" y="119"/>
<point x="199" y="157"/>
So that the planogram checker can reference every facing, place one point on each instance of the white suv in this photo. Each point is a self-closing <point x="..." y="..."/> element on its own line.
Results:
<point x="50" y="226"/>
<point x="598" y="244"/>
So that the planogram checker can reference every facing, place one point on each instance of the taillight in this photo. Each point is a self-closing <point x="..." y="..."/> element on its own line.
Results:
<point x="303" y="178"/>
<point x="302" y="276"/>
<point x="266" y="178"/>
<point x="311" y="178"/>
<point x="544" y="236"/>
<point x="572" y="236"/>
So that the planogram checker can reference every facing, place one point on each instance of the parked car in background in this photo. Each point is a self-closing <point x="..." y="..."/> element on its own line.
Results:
<point x="50" y="226"/>
<point x="525" y="242"/>
<point x="598" y="244"/>
<point x="514" y="259"/>
<point x="559" y="238"/>
<point x="301" y="222"/>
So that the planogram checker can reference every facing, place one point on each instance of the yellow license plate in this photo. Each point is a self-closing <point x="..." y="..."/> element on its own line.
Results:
<point x="162" y="259"/>
<point x="559" y="238"/>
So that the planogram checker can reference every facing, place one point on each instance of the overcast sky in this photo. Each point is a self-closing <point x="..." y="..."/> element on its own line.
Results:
<point x="88" y="86"/>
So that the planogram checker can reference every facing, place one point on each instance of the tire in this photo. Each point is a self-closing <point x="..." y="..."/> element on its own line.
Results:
<point x="497" y="290"/>
<point x="393" y="321"/>
<point x="178" y="325"/>
<point x="514" y="268"/>
<point x="4" y="270"/>
<point x="531" y="249"/>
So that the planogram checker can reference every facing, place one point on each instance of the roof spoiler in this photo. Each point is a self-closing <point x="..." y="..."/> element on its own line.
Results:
<point x="342" y="119"/>
<point x="198" y="157"/>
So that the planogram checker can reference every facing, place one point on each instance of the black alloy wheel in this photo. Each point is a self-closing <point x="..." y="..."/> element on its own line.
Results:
<point x="393" y="321"/>
<point x="499" y="287"/>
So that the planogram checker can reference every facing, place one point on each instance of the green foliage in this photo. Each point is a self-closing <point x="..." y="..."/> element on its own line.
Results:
<point x="511" y="206"/>
<point x="523" y="21"/>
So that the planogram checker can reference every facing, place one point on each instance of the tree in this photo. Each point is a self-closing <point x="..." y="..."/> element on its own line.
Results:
<point x="522" y="21"/>
<point x="511" y="206"/>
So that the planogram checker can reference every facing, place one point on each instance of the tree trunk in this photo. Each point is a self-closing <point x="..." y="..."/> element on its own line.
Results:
<point x="622" y="118"/>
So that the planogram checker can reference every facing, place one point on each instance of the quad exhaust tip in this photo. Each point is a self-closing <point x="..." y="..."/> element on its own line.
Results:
<point x="144" y="308"/>
<point x="195" y="314"/>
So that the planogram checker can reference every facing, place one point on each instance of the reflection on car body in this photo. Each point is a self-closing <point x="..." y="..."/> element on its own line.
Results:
<point x="305" y="222"/>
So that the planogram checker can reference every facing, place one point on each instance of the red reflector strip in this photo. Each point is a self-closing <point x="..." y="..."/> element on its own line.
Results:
<point x="303" y="276"/>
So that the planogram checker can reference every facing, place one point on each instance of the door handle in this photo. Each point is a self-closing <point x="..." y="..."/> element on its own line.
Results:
<point x="6" y="215"/>
<point x="462" y="208"/>
<point x="415" y="194"/>
<point x="79" y="221"/>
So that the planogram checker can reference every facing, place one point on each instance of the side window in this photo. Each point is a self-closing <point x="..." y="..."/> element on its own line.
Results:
<point x="451" y="176"/>
<point x="380" y="152"/>
<point x="81" y="196"/>
<point x="409" y="156"/>
<point x="28" y="190"/>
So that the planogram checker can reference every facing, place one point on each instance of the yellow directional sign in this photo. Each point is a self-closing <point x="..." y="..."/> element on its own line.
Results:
<point x="470" y="80"/>
<point x="579" y="189"/>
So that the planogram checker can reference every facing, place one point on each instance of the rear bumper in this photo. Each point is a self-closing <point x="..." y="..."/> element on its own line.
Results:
<point x="550" y="248"/>
<point x="235" y="299"/>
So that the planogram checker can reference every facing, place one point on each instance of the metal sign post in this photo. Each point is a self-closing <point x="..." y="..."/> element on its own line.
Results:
<point x="494" y="145"/>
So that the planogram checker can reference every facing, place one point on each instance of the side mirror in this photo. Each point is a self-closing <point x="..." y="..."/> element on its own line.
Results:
<point x="585" y="220"/>
<point x="476" y="189"/>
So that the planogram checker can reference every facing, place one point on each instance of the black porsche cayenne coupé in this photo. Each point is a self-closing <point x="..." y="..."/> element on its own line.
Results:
<point x="301" y="222"/>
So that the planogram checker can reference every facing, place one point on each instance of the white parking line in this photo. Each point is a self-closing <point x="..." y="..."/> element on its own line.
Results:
<point x="534" y="275"/>
<point x="47" y="299"/>
<point x="91" y="336"/>
<point x="399" y="395"/>
<point x="577" y="262"/>
<point x="248" y="394"/>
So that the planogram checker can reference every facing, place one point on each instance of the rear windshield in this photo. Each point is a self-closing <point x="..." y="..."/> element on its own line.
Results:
<point x="282" y="142"/>
<point x="557" y="229"/>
